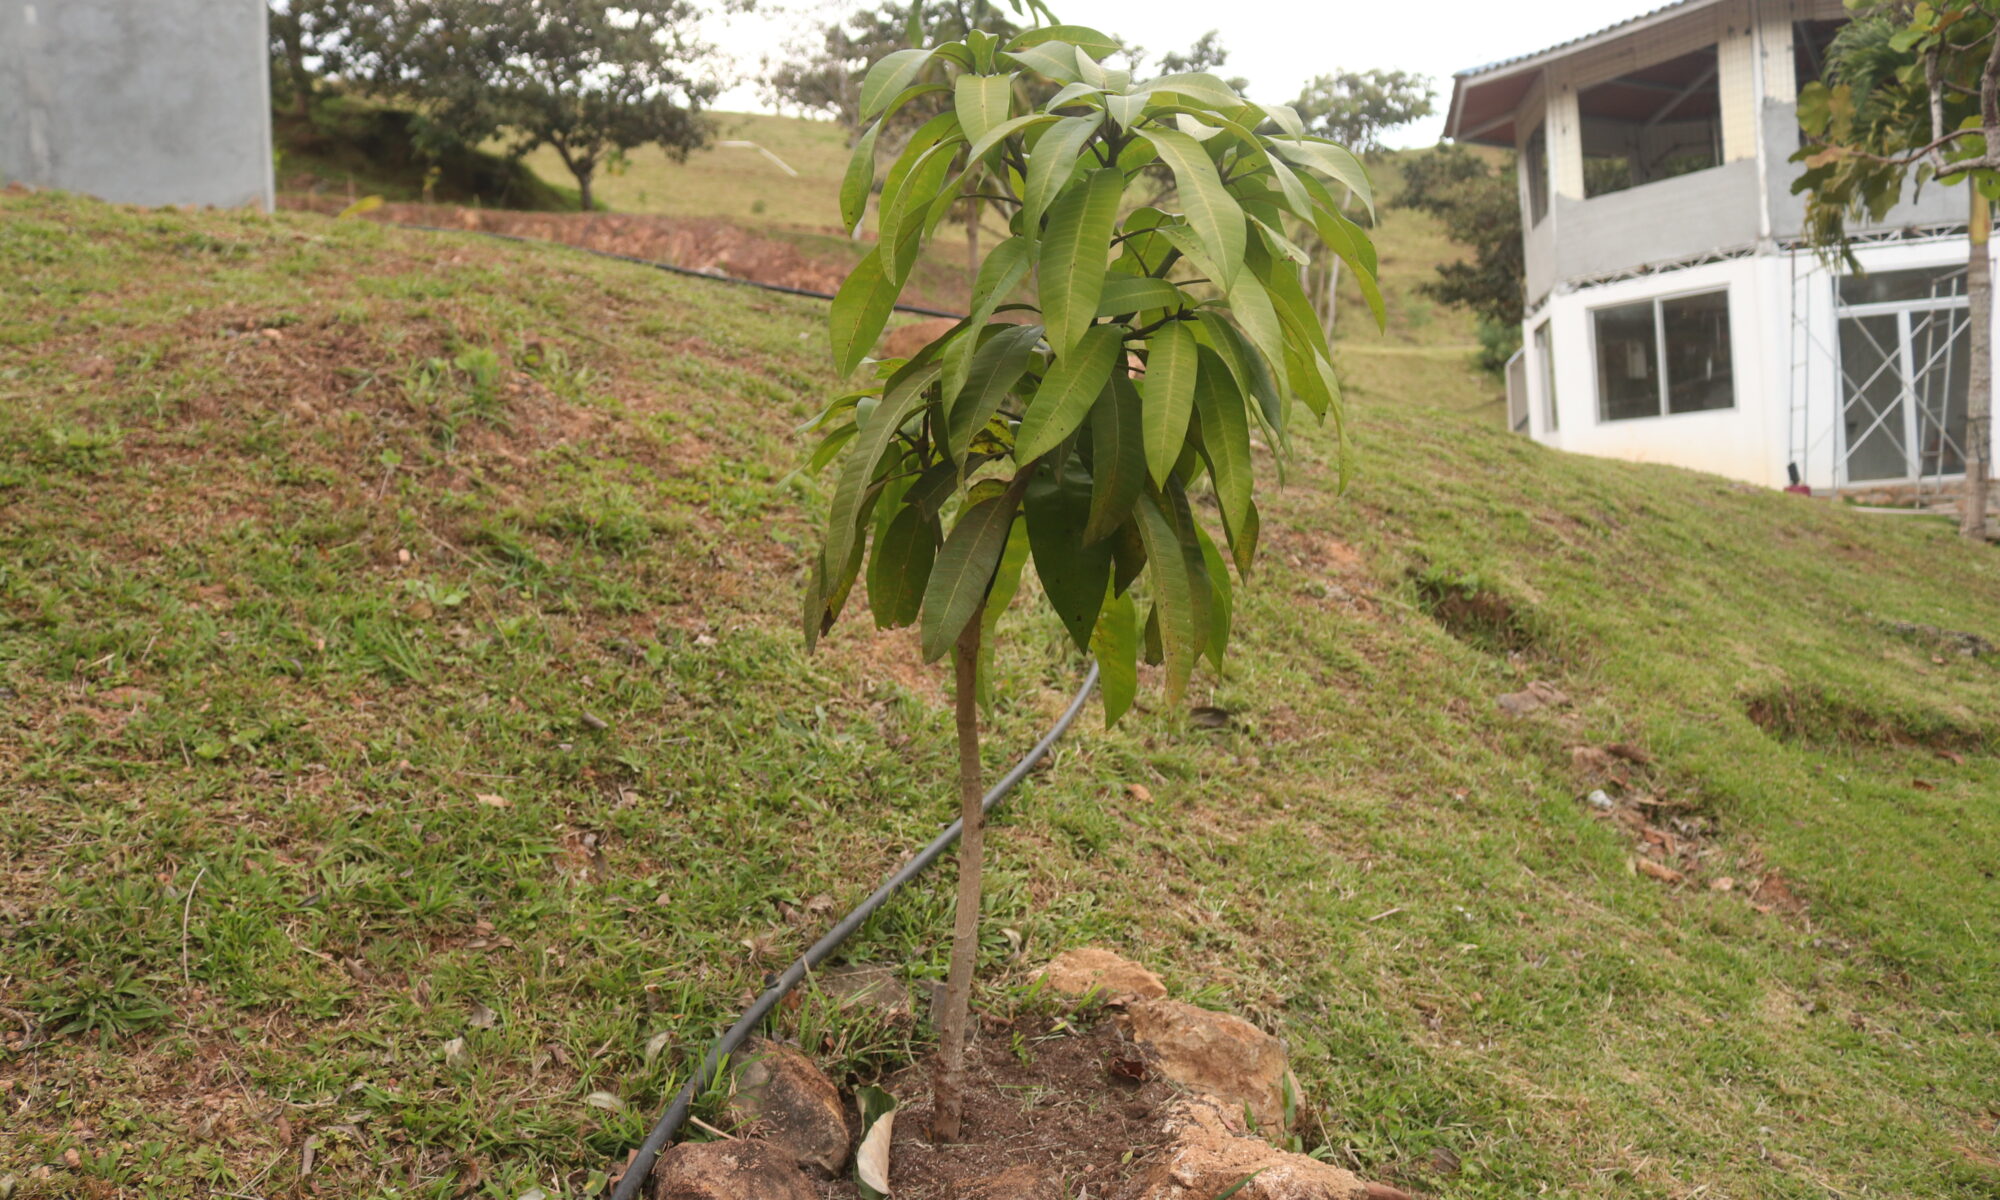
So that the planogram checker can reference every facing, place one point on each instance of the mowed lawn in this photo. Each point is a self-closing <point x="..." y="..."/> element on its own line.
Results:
<point x="409" y="760"/>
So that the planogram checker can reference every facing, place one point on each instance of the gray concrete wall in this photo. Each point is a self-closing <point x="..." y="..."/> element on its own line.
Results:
<point x="1653" y="223"/>
<point x="1934" y="206"/>
<point x="138" y="101"/>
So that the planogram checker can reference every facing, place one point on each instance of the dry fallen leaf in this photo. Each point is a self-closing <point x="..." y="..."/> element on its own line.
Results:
<point x="1659" y="871"/>
<point x="493" y="800"/>
<point x="454" y="1052"/>
<point x="482" y="1017"/>
<point x="1721" y="885"/>
<point x="1139" y="792"/>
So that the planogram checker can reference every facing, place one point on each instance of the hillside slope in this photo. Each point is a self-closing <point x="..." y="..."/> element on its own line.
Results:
<point x="326" y="550"/>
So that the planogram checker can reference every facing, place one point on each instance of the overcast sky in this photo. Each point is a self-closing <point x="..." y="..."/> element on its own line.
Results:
<point x="1276" y="44"/>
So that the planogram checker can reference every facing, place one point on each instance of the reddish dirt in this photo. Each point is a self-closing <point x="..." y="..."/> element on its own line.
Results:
<point x="698" y="244"/>
<point x="1070" y="1117"/>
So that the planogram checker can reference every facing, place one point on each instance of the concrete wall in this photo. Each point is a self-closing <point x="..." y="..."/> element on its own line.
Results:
<point x="138" y="101"/>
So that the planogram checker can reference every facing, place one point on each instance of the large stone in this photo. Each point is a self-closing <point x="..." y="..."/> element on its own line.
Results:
<point x="1210" y="1151"/>
<point x="783" y="1098"/>
<point x="732" y="1170"/>
<point x="1088" y="969"/>
<point x="1225" y="1056"/>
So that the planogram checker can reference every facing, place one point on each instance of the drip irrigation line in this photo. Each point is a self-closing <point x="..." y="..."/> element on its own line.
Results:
<point x="671" y="269"/>
<point x="641" y="1166"/>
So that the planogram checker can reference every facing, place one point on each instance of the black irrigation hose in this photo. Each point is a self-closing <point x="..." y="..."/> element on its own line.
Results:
<point x="670" y="1122"/>
<point x="671" y="269"/>
<point x="641" y="1166"/>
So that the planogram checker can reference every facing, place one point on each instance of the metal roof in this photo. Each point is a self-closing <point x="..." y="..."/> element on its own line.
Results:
<point x="1481" y="97"/>
<point x="1519" y="60"/>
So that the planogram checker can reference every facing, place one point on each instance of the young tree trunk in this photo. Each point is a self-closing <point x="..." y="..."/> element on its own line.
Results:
<point x="1979" y="379"/>
<point x="583" y="190"/>
<point x="949" y="1087"/>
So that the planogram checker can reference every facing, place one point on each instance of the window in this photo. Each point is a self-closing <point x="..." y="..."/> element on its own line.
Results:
<point x="1545" y="364"/>
<point x="1664" y="356"/>
<point x="1535" y="165"/>
<point x="1652" y="123"/>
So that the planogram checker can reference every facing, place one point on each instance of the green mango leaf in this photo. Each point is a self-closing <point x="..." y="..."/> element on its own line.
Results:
<point x="1198" y="87"/>
<point x="1221" y="597"/>
<point x="909" y="212"/>
<point x="1115" y="646"/>
<point x="1004" y="130"/>
<point x="1187" y="535"/>
<point x="1074" y="574"/>
<point x="1006" y="581"/>
<point x="886" y="78"/>
<point x="1243" y="540"/>
<point x="1334" y="161"/>
<point x="1071" y="385"/>
<point x="963" y="571"/>
<point x="1211" y="211"/>
<point x="999" y="275"/>
<point x="1125" y="294"/>
<point x="1173" y="599"/>
<point x="1074" y="250"/>
<point x="1168" y="387"/>
<point x="1076" y="35"/>
<point x="996" y="368"/>
<point x="859" y="311"/>
<point x="1118" y="457"/>
<point x="1225" y="435"/>
<point x="1052" y="61"/>
<point x="1053" y="163"/>
<point x="900" y="568"/>
<point x="859" y="180"/>
<point x="906" y="395"/>
<point x="982" y="102"/>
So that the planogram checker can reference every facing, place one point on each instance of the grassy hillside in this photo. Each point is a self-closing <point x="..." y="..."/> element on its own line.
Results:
<point x="326" y="550"/>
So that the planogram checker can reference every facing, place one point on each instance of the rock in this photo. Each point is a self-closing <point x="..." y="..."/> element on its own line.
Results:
<point x="1209" y="1151"/>
<point x="1022" y="1182"/>
<point x="781" y="1097"/>
<point x="1600" y="801"/>
<point x="878" y="988"/>
<point x="732" y="1170"/>
<point x="1535" y="697"/>
<point x="1088" y="969"/>
<point x="1225" y="1056"/>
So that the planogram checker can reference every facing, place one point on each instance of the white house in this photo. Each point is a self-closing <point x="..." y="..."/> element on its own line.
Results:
<point x="1673" y="313"/>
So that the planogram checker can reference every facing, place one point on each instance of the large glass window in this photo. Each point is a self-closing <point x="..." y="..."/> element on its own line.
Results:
<point x="1545" y="364"/>
<point x="1669" y="355"/>
<point x="1535" y="165"/>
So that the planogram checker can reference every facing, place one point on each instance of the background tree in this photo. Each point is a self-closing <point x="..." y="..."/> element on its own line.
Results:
<point x="1074" y="441"/>
<point x="1208" y="54"/>
<point x="1480" y="210"/>
<point x="591" y="79"/>
<point x="1914" y="89"/>
<point x="1355" y="108"/>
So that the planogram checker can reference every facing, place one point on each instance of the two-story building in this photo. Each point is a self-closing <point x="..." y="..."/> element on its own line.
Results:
<point x="1674" y="313"/>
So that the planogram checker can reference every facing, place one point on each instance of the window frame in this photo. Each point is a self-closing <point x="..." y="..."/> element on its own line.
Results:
<point x="1543" y="339"/>
<point x="1665" y="386"/>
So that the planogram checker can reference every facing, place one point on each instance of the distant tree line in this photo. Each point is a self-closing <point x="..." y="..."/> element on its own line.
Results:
<point x="590" y="79"/>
